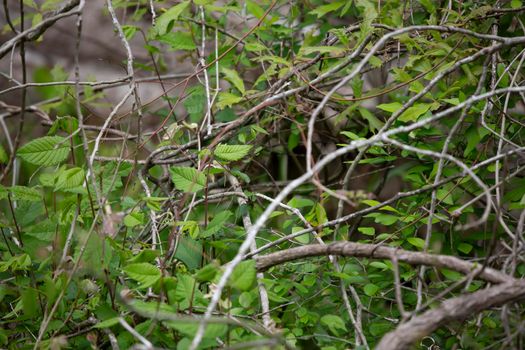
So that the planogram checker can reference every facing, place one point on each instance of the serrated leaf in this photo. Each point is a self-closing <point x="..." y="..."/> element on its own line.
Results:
<point x="23" y="193"/>
<point x="216" y="224"/>
<point x="195" y="103"/>
<point x="47" y="179"/>
<point x="44" y="230"/>
<point x="186" y="285"/>
<point x="178" y="41"/>
<point x="164" y="21"/>
<point x="323" y="10"/>
<point x="243" y="276"/>
<point x="231" y="152"/>
<point x="254" y="47"/>
<point x="187" y="179"/>
<point x="334" y="323"/>
<point x="144" y="273"/>
<point x="189" y="252"/>
<point x="414" y="112"/>
<point x="227" y="100"/>
<point x="134" y="219"/>
<point x="233" y="77"/>
<point x="69" y="179"/>
<point x="207" y="273"/>
<point x="47" y="150"/>
<point x="373" y="121"/>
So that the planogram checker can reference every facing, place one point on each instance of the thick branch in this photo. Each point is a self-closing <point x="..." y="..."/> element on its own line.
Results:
<point x="455" y="309"/>
<point x="352" y="249"/>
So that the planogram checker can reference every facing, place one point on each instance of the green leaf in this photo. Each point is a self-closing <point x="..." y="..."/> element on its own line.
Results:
<point x="146" y="255"/>
<point x="129" y="31"/>
<point x="369" y="231"/>
<point x="379" y="328"/>
<point x="47" y="150"/>
<point x="371" y="289"/>
<point x="69" y="179"/>
<point x="428" y="5"/>
<point x="134" y="219"/>
<point x="178" y="41"/>
<point x="227" y="99"/>
<point x="207" y="273"/>
<point x="379" y="265"/>
<point x="233" y="77"/>
<point x="216" y="224"/>
<point x="334" y="323"/>
<point x="185" y="290"/>
<point x="489" y="322"/>
<point x="29" y="296"/>
<point x="375" y="62"/>
<point x="231" y="152"/>
<point x="165" y="21"/>
<point x="373" y="121"/>
<point x="254" y="47"/>
<point x="383" y="219"/>
<point x="414" y="112"/>
<point x="4" y="192"/>
<point x="23" y="193"/>
<point x="323" y="10"/>
<point x="333" y="51"/>
<point x="187" y="179"/>
<point x="243" y="276"/>
<point x="416" y="242"/>
<point x="144" y="273"/>
<point x="213" y="330"/>
<point x="515" y="4"/>
<point x="4" y="157"/>
<point x="390" y="107"/>
<point x="464" y="247"/>
<point x="254" y="9"/>
<point x="110" y="322"/>
<point x="189" y="252"/>
<point x="195" y="103"/>
<point x="154" y="203"/>
<point x="45" y="230"/>
<point x="304" y="239"/>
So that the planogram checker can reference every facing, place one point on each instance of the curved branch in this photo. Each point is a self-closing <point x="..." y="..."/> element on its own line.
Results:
<point x="361" y="250"/>
<point x="454" y="309"/>
<point x="35" y="32"/>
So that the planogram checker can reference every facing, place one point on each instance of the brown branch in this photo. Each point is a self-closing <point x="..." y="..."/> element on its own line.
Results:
<point x="451" y="310"/>
<point x="361" y="250"/>
<point x="35" y="32"/>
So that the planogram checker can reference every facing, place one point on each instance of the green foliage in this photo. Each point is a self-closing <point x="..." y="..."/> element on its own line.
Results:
<point x="231" y="152"/>
<point x="144" y="273"/>
<point x="47" y="151"/>
<point x="226" y="90"/>
<point x="187" y="179"/>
